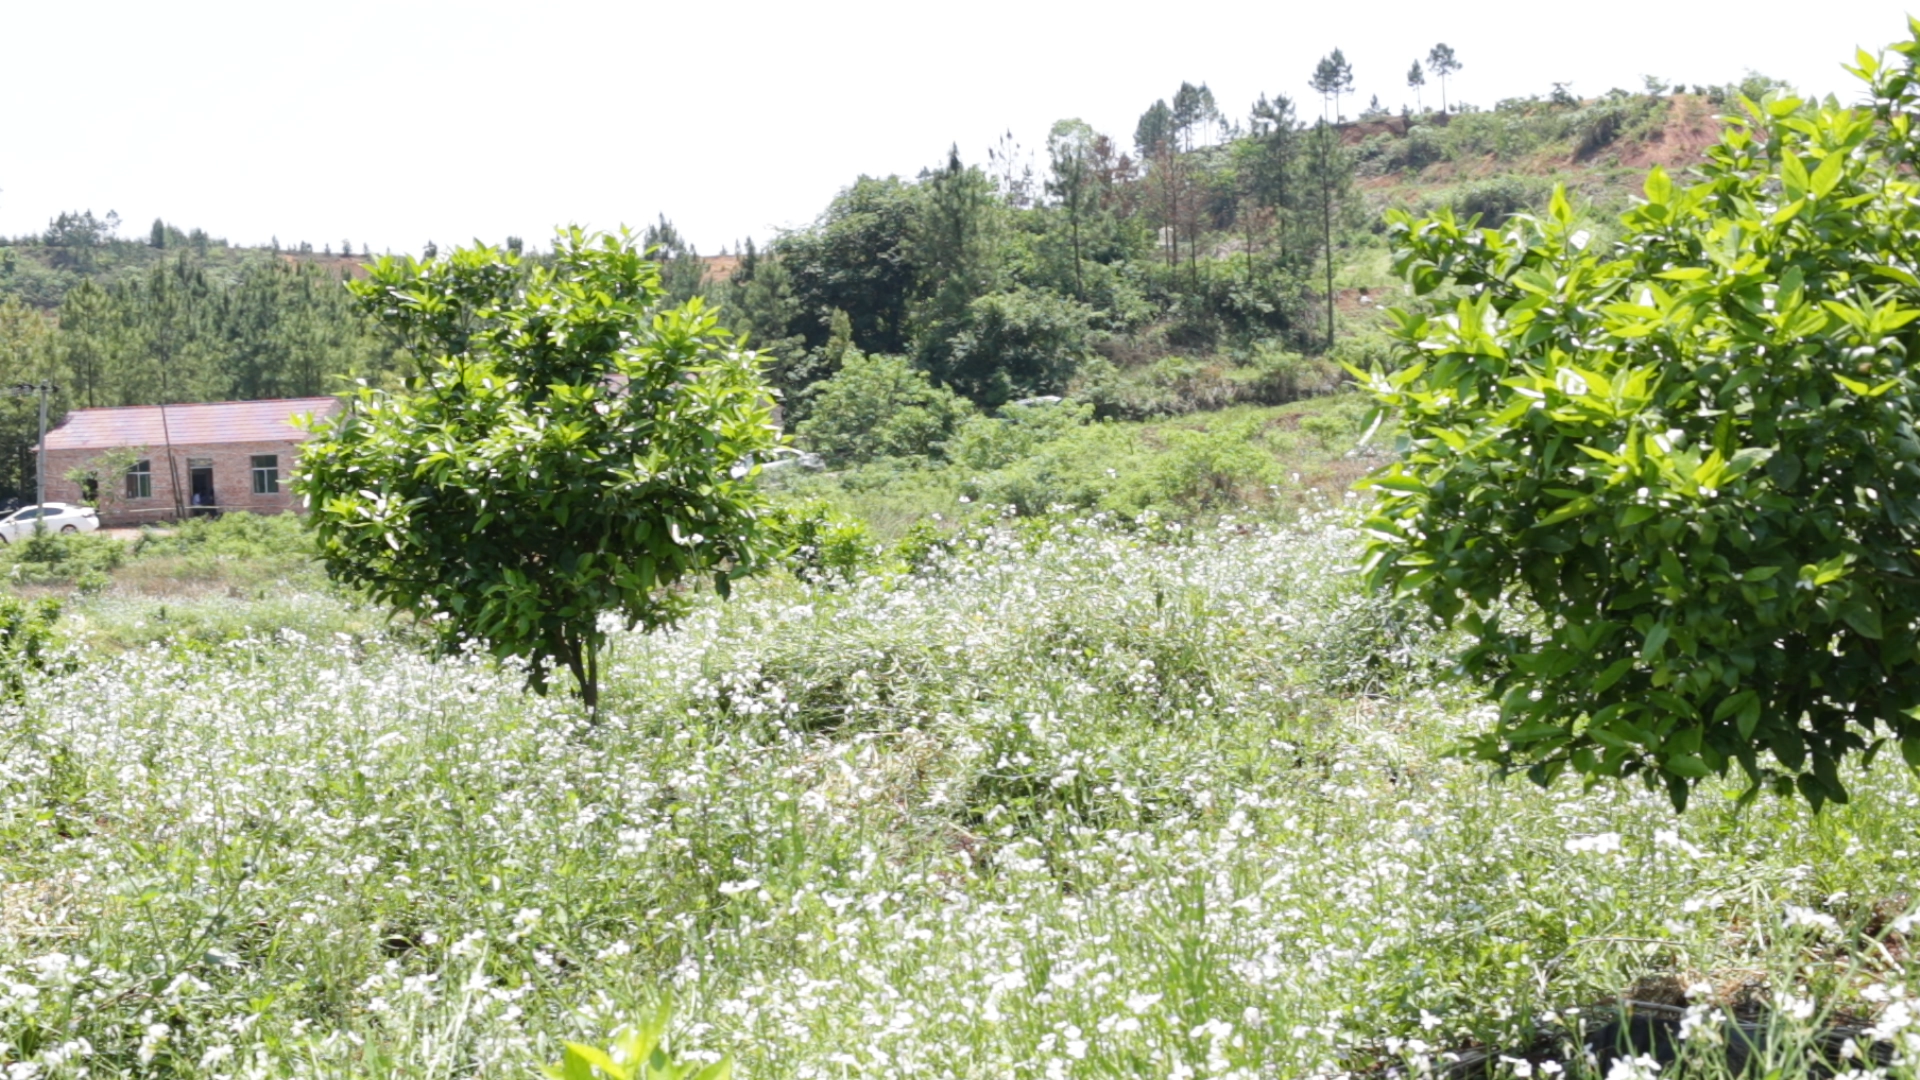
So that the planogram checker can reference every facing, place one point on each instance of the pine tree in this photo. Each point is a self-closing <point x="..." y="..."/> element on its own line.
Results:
<point x="1442" y="62"/>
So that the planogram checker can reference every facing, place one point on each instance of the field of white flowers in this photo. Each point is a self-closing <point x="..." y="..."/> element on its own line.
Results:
<point x="1078" y="799"/>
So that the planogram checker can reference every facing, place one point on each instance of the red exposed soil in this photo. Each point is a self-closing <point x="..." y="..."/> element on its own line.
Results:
<point x="1691" y="127"/>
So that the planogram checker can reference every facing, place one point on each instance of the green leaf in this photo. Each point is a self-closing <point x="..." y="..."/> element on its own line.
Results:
<point x="1863" y="618"/>
<point x="1572" y="509"/>
<point x="1394" y="482"/>
<point x="1613" y="674"/>
<point x="1828" y="174"/>
<point x="1686" y="765"/>
<point x="1659" y="187"/>
<point x="1533" y="733"/>
<point x="581" y="1060"/>
<point x="1733" y="704"/>
<point x="1793" y="175"/>
<point x="1783" y="468"/>
<point x="1746" y="459"/>
<point x="1558" y="208"/>
<point x="1655" y="641"/>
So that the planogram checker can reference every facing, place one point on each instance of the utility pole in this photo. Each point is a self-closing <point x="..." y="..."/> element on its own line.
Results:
<point x="42" y="388"/>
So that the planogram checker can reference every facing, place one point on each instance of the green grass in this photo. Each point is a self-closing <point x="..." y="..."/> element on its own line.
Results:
<point x="1079" y="798"/>
<point x="1267" y="460"/>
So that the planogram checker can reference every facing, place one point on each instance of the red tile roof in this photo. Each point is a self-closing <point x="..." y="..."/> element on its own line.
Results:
<point x="198" y="425"/>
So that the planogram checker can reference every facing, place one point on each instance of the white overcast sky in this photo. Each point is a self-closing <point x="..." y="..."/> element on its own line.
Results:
<point x="403" y="121"/>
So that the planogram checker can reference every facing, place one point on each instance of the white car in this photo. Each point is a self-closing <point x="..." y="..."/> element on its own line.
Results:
<point x="56" y="517"/>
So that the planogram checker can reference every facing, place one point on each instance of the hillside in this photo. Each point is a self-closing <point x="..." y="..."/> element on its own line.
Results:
<point x="1196" y="273"/>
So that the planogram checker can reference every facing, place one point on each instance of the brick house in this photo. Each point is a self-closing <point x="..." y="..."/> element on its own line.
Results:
<point x="226" y="455"/>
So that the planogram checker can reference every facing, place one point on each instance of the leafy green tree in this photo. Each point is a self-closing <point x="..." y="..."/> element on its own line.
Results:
<point x="759" y="302"/>
<point x="1268" y="164"/>
<point x="1417" y="80"/>
<point x="1670" y="485"/>
<point x="1014" y="344"/>
<point x="1154" y="130"/>
<point x="956" y="240"/>
<point x="1156" y="137"/>
<point x="28" y="353"/>
<point x="1187" y="182"/>
<point x="574" y="449"/>
<point x="858" y="258"/>
<point x="880" y="407"/>
<point x="1442" y="62"/>
<point x="1193" y="111"/>
<point x="1071" y="181"/>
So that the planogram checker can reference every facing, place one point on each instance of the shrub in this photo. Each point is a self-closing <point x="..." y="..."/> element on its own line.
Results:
<point x="46" y="558"/>
<point x="996" y="442"/>
<point x="821" y="543"/>
<point x="1273" y="375"/>
<point x="1494" y="201"/>
<point x="237" y="535"/>
<point x="1214" y="469"/>
<point x="880" y="407"/>
<point x="27" y="641"/>
<point x="1011" y="345"/>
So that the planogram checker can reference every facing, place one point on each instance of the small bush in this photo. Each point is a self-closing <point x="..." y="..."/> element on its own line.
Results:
<point x="27" y="641"/>
<point x="996" y="442"/>
<point x="238" y="535"/>
<point x="1274" y="375"/>
<point x="1202" y="470"/>
<point x="879" y="407"/>
<point x="47" y="558"/>
<point x="1494" y="201"/>
<point x="821" y="543"/>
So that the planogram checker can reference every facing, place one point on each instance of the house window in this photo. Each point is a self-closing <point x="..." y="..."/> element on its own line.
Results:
<point x="266" y="474"/>
<point x="140" y="480"/>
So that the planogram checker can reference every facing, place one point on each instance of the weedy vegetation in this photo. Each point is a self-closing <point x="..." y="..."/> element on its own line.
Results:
<point x="1076" y="796"/>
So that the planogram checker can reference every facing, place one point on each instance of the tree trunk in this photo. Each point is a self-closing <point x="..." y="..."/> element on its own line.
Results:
<point x="582" y="657"/>
<point x="1326" y="221"/>
<point x="1079" y="286"/>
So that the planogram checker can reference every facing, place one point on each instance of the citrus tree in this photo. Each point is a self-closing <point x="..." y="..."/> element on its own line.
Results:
<point x="1669" y="486"/>
<point x="573" y="453"/>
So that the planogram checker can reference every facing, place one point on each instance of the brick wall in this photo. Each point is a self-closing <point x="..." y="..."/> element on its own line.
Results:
<point x="232" y="465"/>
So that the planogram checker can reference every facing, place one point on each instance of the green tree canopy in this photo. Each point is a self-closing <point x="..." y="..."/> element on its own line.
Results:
<point x="1670" y="486"/>
<point x="880" y="406"/>
<point x="858" y="259"/>
<point x="573" y="449"/>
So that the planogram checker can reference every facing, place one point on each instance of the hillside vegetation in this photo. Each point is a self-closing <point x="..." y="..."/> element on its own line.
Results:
<point x="1185" y="267"/>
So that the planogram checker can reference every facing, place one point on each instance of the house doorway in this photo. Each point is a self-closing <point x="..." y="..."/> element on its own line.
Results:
<point x="200" y="484"/>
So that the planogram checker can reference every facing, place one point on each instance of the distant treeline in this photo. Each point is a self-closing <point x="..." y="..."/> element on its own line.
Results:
<point x="1028" y="274"/>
